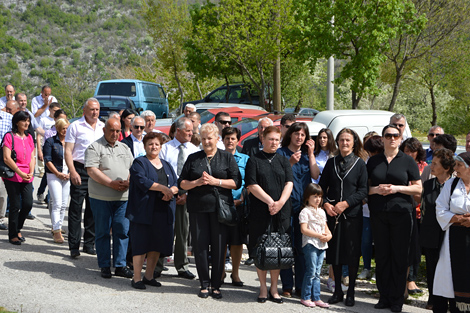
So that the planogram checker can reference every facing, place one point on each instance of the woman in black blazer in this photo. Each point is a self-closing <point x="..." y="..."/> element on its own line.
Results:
<point x="202" y="172"/>
<point x="344" y="184"/>
<point x="150" y="210"/>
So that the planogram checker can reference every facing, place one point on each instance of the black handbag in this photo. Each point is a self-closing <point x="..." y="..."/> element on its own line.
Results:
<point x="5" y="171"/>
<point x="226" y="212"/>
<point x="274" y="250"/>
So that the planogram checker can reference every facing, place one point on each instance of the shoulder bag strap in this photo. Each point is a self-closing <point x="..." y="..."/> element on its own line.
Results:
<point x="210" y="173"/>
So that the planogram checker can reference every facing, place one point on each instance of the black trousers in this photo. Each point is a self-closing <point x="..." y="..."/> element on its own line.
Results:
<point x="77" y="195"/>
<point x="392" y="235"/>
<point x="206" y="231"/>
<point x="432" y="256"/>
<point x="442" y="305"/>
<point x="20" y="196"/>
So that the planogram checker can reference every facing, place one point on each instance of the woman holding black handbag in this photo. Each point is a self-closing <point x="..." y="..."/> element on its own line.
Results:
<point x="202" y="172"/>
<point x="269" y="180"/>
<point x="20" y="186"/>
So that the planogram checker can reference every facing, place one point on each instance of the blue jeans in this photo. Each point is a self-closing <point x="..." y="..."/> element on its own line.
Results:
<point x="313" y="263"/>
<point x="299" y="260"/>
<point x="366" y="242"/>
<point x="107" y="215"/>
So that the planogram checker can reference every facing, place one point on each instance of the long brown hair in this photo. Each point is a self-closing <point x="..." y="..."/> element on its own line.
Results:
<point x="358" y="149"/>
<point x="331" y="144"/>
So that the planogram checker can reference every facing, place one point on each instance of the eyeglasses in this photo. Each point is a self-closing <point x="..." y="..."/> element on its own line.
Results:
<point x="398" y="125"/>
<point x="433" y="134"/>
<point x="139" y="127"/>
<point x="225" y="122"/>
<point x="390" y="135"/>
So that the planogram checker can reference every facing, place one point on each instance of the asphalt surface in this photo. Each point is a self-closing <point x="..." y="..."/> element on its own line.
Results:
<point x="40" y="276"/>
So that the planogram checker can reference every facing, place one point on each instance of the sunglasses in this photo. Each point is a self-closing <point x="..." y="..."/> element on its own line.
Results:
<point x="287" y="125"/>
<point x="389" y="135"/>
<point x="139" y="127"/>
<point x="398" y="125"/>
<point x="433" y="134"/>
<point x="226" y="122"/>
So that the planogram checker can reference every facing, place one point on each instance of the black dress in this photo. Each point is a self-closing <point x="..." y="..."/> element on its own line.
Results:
<point x="345" y="179"/>
<point x="155" y="235"/>
<point x="271" y="177"/>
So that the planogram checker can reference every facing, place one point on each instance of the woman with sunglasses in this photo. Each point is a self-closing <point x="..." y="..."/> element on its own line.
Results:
<point x="344" y="184"/>
<point x="393" y="180"/>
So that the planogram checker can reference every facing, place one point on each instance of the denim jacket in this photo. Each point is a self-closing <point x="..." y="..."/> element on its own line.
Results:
<point x="53" y="151"/>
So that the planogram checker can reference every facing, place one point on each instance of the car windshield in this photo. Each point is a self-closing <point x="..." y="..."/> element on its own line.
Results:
<point x="206" y="117"/>
<point x="114" y="104"/>
<point x="117" y="89"/>
<point x="246" y="125"/>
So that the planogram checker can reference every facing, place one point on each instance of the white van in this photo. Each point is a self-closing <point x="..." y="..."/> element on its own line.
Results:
<point x="361" y="121"/>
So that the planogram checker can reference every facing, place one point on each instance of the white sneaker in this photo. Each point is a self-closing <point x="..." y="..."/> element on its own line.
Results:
<point x="365" y="274"/>
<point x="373" y="277"/>
<point x="330" y="285"/>
<point x="228" y="267"/>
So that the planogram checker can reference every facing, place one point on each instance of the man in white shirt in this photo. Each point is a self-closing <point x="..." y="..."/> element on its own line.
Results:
<point x="134" y="141"/>
<point x="80" y="135"/>
<point x="170" y="152"/>
<point x="40" y="104"/>
<point x="9" y="95"/>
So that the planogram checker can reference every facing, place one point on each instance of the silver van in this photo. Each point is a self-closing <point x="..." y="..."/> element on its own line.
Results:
<point x="146" y="95"/>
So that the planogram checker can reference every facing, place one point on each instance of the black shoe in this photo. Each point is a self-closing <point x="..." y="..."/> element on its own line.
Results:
<point x="236" y="283"/>
<point x="414" y="291"/>
<point x="381" y="305"/>
<point x="22" y="239"/>
<point x="157" y="274"/>
<point x="151" y="282"/>
<point x="138" y="285"/>
<point x="349" y="301"/>
<point x="395" y="308"/>
<point x="89" y="250"/>
<point x="335" y="299"/>
<point x="186" y="274"/>
<point x="165" y="268"/>
<point x="74" y="254"/>
<point x="30" y="216"/>
<point x="16" y="242"/>
<point x="106" y="272"/>
<point x="249" y="261"/>
<point x="3" y="226"/>
<point x="123" y="272"/>
<point x="276" y="300"/>
<point x="262" y="300"/>
<point x="203" y="295"/>
<point x="7" y="213"/>
<point x="216" y="295"/>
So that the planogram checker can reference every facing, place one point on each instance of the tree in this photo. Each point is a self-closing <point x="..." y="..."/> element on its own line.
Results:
<point x="242" y="37"/>
<point x="169" y="25"/>
<point x="351" y="30"/>
<point x="434" y="21"/>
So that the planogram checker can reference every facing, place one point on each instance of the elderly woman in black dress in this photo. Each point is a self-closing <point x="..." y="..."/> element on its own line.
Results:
<point x="393" y="180"/>
<point x="150" y="210"/>
<point x="202" y="172"/>
<point x="344" y="183"/>
<point x="269" y="180"/>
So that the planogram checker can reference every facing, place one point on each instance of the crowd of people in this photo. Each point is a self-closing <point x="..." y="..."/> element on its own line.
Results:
<point x="150" y="195"/>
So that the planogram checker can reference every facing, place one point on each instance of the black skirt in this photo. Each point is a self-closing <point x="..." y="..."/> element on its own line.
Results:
<point x="344" y="248"/>
<point x="155" y="237"/>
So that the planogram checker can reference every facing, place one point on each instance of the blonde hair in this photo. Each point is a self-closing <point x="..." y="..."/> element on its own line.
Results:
<point x="60" y="124"/>
<point x="209" y="128"/>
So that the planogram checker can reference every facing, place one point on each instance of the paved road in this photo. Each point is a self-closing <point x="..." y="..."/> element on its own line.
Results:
<point x="39" y="276"/>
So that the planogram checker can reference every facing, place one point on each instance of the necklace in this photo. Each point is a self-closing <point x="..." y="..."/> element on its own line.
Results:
<point x="269" y="160"/>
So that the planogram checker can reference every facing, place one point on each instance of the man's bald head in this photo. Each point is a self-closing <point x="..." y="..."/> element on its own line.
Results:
<point x="111" y="130"/>
<point x="12" y="106"/>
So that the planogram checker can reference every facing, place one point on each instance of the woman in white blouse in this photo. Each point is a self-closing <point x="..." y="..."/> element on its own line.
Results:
<point x="451" y="283"/>
<point x="325" y="148"/>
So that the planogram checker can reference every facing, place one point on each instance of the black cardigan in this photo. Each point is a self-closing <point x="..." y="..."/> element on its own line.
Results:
<point x="352" y="189"/>
<point x="202" y="199"/>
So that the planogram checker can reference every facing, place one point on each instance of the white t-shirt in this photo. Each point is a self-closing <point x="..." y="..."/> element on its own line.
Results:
<point x="316" y="221"/>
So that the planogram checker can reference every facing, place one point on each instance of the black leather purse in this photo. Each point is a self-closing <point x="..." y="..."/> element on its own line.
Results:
<point x="226" y="212"/>
<point x="274" y="250"/>
<point x="5" y="171"/>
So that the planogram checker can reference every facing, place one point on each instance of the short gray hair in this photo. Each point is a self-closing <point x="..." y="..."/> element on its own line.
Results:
<point x="136" y="117"/>
<point x="114" y="115"/>
<point x="191" y="106"/>
<point x="265" y="119"/>
<point x="180" y="123"/>
<point x="147" y="113"/>
<point x="435" y="127"/>
<point x="397" y="116"/>
<point x="209" y="128"/>
<point x="87" y="102"/>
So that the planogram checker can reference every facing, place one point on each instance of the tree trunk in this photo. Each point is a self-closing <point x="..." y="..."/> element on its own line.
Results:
<point x="433" y="105"/>
<point x="277" y="85"/>
<point x="199" y="89"/>
<point x="396" y="87"/>
<point x="355" y="100"/>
